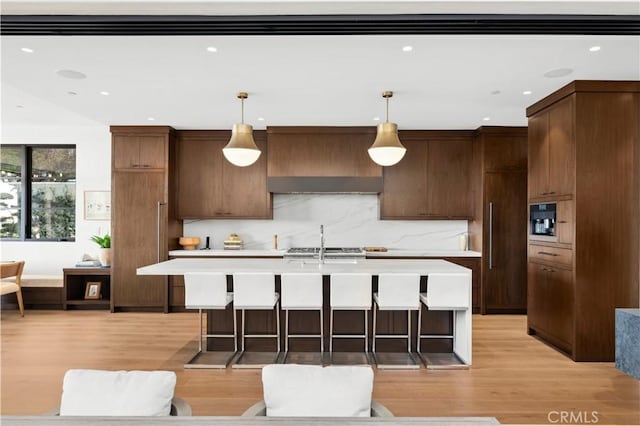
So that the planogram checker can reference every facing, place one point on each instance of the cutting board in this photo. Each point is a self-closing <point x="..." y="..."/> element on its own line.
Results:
<point x="378" y="249"/>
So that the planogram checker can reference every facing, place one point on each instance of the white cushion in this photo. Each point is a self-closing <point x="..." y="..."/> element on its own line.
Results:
<point x="316" y="391"/>
<point x="7" y="287"/>
<point x="117" y="393"/>
<point x="448" y="292"/>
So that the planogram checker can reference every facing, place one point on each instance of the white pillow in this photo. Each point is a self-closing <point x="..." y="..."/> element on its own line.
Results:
<point x="314" y="391"/>
<point x="117" y="393"/>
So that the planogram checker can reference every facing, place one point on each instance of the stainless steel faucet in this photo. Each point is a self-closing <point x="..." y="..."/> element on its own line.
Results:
<point x="321" y="253"/>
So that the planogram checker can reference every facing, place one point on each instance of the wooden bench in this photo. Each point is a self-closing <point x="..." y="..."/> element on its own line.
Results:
<point x="39" y="291"/>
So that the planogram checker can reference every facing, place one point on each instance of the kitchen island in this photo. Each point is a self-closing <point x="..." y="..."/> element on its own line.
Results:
<point x="435" y="322"/>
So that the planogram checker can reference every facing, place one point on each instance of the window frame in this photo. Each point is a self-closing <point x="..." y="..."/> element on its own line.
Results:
<point x="26" y="169"/>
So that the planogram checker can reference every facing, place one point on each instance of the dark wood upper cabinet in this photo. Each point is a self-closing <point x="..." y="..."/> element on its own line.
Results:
<point x="552" y="151"/>
<point x="449" y="177"/>
<point x="138" y="151"/>
<point x="321" y="151"/>
<point x="433" y="180"/>
<point x="208" y="186"/>
<point x="405" y="184"/>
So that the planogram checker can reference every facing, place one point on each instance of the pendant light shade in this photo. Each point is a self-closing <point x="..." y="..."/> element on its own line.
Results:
<point x="387" y="149"/>
<point x="241" y="150"/>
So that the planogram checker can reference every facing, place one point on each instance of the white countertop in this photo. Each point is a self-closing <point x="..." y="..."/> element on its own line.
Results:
<point x="227" y="253"/>
<point x="424" y="253"/>
<point x="280" y="253"/>
<point x="181" y="266"/>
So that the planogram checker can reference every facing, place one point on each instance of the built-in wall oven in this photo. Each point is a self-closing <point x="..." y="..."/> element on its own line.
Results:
<point x="542" y="221"/>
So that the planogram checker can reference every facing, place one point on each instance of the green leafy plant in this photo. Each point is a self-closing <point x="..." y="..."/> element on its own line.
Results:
<point x="103" y="242"/>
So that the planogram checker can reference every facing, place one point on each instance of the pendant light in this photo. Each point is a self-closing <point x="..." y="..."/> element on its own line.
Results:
<point x="241" y="150"/>
<point x="387" y="149"/>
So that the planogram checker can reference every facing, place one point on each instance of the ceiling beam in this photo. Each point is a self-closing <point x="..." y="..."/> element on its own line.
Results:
<point x="283" y="25"/>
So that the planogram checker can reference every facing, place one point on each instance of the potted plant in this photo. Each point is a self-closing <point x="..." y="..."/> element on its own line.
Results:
<point x="105" y="248"/>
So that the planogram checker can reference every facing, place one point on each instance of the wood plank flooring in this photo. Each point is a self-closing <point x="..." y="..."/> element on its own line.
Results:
<point x="515" y="377"/>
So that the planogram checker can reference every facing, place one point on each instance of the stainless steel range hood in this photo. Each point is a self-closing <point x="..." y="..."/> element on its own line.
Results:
<point x="324" y="184"/>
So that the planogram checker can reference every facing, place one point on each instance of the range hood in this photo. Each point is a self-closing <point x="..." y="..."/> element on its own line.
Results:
<point x="324" y="184"/>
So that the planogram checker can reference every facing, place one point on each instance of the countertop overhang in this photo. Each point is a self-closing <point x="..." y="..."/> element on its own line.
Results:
<point x="391" y="253"/>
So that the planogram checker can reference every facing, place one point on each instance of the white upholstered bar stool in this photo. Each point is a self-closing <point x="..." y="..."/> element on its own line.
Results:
<point x="301" y="292"/>
<point x="256" y="291"/>
<point x="396" y="292"/>
<point x="350" y="292"/>
<point x="445" y="292"/>
<point x="202" y="291"/>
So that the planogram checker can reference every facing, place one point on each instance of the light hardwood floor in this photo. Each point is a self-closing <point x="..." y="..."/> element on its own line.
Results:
<point x="514" y="377"/>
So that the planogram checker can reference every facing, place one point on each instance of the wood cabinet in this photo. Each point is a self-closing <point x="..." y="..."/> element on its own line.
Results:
<point x="551" y="151"/>
<point x="551" y="304"/>
<point x="592" y="167"/>
<point x="138" y="152"/>
<point x="208" y="186"/>
<point x="300" y="151"/>
<point x="500" y="218"/>
<point x="75" y="284"/>
<point x="143" y="223"/>
<point x="433" y="180"/>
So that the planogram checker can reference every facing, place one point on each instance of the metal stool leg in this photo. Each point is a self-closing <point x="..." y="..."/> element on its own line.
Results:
<point x="331" y="334"/>
<point x="366" y="333"/>
<point x="286" y="335"/>
<point x="278" y="326"/>
<point x="409" y="331"/>
<point x="200" y="337"/>
<point x="419" y="330"/>
<point x="321" y="335"/>
<point x="373" y="332"/>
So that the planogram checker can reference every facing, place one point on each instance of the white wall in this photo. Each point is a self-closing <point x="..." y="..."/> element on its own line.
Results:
<point x="350" y="220"/>
<point x="93" y="173"/>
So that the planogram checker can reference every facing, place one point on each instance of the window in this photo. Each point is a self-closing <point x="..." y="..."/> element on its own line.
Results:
<point x="38" y="192"/>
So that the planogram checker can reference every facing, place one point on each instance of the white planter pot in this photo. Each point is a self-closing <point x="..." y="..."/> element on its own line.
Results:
<point x="104" y="255"/>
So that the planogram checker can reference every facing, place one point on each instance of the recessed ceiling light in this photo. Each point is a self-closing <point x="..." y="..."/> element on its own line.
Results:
<point x="594" y="48"/>
<point x="558" y="72"/>
<point x="151" y="119"/>
<point x="260" y="118"/>
<point x="74" y="75"/>
<point x="526" y="92"/>
<point x="27" y="50"/>
<point x="103" y="93"/>
<point x="486" y="119"/>
<point x="407" y="48"/>
<point x="72" y="93"/>
<point x="212" y="49"/>
<point x="376" y="118"/>
<point x="19" y="106"/>
<point x="495" y="92"/>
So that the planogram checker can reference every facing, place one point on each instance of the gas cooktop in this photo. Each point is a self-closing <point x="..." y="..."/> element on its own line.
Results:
<point x="328" y="251"/>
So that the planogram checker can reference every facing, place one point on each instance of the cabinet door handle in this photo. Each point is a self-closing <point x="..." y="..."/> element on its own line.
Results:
<point x="160" y="204"/>
<point x="551" y="193"/>
<point x="490" y="235"/>
<point x="544" y="193"/>
<point x="546" y="253"/>
<point x="562" y="221"/>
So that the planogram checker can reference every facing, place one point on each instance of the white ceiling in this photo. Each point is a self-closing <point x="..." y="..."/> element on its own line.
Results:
<point x="444" y="83"/>
<point x="274" y="7"/>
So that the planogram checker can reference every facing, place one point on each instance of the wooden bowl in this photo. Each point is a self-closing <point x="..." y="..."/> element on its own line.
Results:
<point x="189" y="243"/>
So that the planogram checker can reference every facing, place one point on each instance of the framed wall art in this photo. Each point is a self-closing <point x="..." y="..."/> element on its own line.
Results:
<point x="97" y="205"/>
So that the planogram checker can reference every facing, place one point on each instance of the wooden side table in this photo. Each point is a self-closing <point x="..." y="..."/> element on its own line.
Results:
<point x="76" y="295"/>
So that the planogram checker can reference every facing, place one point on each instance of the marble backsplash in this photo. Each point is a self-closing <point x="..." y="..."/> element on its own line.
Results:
<point x="350" y="220"/>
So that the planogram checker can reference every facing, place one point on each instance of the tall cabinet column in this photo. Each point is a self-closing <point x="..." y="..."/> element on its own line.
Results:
<point x="587" y="138"/>
<point x="498" y="228"/>
<point x="143" y="223"/>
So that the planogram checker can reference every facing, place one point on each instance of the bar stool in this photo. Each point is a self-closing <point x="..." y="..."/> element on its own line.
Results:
<point x="350" y="291"/>
<point x="255" y="291"/>
<point x="301" y="292"/>
<point x="396" y="292"/>
<point x="445" y="292"/>
<point x="208" y="290"/>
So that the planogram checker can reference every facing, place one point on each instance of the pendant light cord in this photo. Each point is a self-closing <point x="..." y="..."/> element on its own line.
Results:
<point x="387" y="120"/>
<point x="242" y="101"/>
